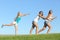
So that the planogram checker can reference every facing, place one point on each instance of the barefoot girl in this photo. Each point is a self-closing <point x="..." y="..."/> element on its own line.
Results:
<point x="16" y="21"/>
<point x="35" y="22"/>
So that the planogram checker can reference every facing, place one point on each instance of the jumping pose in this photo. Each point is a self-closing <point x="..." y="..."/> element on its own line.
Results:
<point x="16" y="21"/>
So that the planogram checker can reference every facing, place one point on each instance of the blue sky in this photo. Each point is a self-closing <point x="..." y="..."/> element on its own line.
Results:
<point x="9" y="9"/>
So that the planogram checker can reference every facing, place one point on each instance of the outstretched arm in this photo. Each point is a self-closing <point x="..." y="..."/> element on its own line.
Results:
<point x="43" y="17"/>
<point x="23" y="14"/>
<point x="53" y="18"/>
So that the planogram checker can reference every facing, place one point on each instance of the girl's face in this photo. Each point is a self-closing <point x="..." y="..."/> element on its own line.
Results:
<point x="41" y="14"/>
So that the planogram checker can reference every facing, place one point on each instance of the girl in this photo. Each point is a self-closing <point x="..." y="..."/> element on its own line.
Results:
<point x="48" y="19"/>
<point x="16" y="21"/>
<point x="35" y="22"/>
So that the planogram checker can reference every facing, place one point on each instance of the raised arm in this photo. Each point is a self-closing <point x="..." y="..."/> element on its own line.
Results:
<point x="24" y="14"/>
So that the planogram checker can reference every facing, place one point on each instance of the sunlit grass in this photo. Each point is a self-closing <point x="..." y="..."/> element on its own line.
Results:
<point x="31" y="37"/>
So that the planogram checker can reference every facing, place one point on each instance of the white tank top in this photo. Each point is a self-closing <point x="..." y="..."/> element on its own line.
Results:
<point x="36" y="19"/>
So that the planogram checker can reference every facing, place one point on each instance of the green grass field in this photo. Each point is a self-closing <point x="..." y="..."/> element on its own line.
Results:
<point x="31" y="37"/>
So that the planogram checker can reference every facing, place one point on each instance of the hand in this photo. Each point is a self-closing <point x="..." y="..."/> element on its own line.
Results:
<point x="27" y="14"/>
<point x="54" y="18"/>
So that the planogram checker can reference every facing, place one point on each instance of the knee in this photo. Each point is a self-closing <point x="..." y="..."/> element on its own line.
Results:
<point x="50" y="28"/>
<point x="43" y="28"/>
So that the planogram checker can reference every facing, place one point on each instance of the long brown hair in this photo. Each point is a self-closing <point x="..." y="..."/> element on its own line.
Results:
<point x="49" y="13"/>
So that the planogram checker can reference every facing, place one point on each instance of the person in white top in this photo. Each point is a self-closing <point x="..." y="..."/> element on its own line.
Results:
<point x="35" y="22"/>
<point x="48" y="19"/>
<point x="36" y="19"/>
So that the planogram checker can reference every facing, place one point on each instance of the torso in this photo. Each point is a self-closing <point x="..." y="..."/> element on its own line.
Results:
<point x="49" y="19"/>
<point x="36" y="19"/>
<point x="18" y="19"/>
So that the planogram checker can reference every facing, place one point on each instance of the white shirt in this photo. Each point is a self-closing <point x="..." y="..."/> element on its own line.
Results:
<point x="36" y="19"/>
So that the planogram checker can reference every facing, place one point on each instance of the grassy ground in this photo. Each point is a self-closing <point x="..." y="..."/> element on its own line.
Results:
<point x="31" y="37"/>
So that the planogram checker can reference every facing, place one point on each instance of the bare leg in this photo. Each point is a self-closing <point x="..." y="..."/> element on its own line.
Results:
<point x="37" y="30"/>
<point x="42" y="29"/>
<point x="36" y="27"/>
<point x="49" y="26"/>
<point x="31" y="30"/>
<point x="11" y="24"/>
<point x="16" y="29"/>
